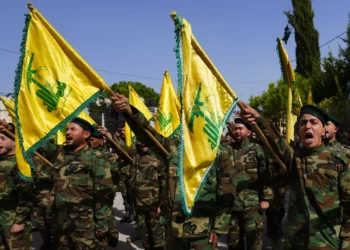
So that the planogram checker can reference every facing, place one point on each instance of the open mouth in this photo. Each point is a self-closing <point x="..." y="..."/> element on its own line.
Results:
<point x="309" y="137"/>
<point x="69" y="138"/>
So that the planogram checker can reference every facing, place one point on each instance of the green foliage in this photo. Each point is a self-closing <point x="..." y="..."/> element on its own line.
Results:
<point x="148" y="94"/>
<point x="308" y="55"/>
<point x="273" y="103"/>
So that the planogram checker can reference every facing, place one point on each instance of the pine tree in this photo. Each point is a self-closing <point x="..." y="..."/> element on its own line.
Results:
<point x="306" y="37"/>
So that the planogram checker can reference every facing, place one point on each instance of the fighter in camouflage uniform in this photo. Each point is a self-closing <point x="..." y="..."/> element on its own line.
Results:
<point x="182" y="232"/>
<point x="16" y="199"/>
<point x="278" y="181"/>
<point x="319" y="208"/>
<point x="330" y="139"/>
<point x="82" y="190"/>
<point x="97" y="143"/>
<point x="125" y="176"/>
<point x="148" y="192"/>
<point x="43" y="181"/>
<point x="252" y="192"/>
<point x="276" y="177"/>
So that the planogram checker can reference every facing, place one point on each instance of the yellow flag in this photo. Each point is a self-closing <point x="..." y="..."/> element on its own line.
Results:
<point x="61" y="133"/>
<point x="207" y="102"/>
<point x="309" y="96"/>
<point x="136" y="102"/>
<point x="294" y="103"/>
<point x="21" y="161"/>
<point x="53" y="84"/>
<point x="289" y="77"/>
<point x="168" y="112"/>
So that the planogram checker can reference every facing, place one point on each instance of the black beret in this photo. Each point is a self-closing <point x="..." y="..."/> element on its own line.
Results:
<point x="246" y="124"/>
<point x="83" y="124"/>
<point x="335" y="121"/>
<point x="315" y="111"/>
<point x="96" y="133"/>
<point x="11" y="127"/>
<point x="121" y="124"/>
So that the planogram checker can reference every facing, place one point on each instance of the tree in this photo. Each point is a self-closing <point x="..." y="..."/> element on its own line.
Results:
<point x="308" y="55"/>
<point x="335" y="67"/>
<point x="273" y="103"/>
<point x="148" y="94"/>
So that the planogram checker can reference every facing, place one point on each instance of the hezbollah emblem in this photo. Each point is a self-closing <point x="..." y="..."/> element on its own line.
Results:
<point x="51" y="91"/>
<point x="164" y="119"/>
<point x="201" y="109"/>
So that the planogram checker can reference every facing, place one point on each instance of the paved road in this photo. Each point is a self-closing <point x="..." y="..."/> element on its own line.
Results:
<point x="125" y="230"/>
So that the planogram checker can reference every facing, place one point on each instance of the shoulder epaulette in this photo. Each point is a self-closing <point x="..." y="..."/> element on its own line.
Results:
<point x="98" y="153"/>
<point x="256" y="145"/>
<point x="345" y="146"/>
<point x="340" y="155"/>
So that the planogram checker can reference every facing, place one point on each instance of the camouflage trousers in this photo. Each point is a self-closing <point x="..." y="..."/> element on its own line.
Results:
<point x="9" y="241"/>
<point x="150" y="229"/>
<point x="200" y="243"/>
<point x="245" y="224"/>
<point x="125" y="189"/>
<point x="274" y="215"/>
<point x="81" y="240"/>
<point x="75" y="230"/>
<point x="112" y="235"/>
<point x="40" y="212"/>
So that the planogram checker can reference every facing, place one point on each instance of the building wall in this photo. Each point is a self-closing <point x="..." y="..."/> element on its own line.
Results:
<point x="4" y="115"/>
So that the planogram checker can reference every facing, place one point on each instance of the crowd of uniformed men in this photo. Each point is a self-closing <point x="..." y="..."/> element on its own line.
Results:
<point x="72" y="202"/>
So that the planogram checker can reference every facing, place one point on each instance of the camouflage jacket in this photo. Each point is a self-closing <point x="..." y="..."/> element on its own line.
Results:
<point x="148" y="187"/>
<point x="338" y="147"/>
<point x="43" y="176"/>
<point x="179" y="225"/>
<point x="83" y="182"/>
<point x="249" y="176"/>
<point x="226" y="190"/>
<point x="16" y="195"/>
<point x="319" y="207"/>
<point x="113" y="162"/>
<point x="124" y="164"/>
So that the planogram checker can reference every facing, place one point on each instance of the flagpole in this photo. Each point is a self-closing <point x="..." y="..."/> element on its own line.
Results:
<point x="7" y="132"/>
<point x="109" y="137"/>
<point x="144" y="130"/>
<point x="225" y="85"/>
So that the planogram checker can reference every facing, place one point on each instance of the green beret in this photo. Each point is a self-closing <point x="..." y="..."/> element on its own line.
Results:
<point x="83" y="124"/>
<point x="315" y="111"/>
<point x="246" y="124"/>
<point x="12" y="128"/>
<point x="335" y="121"/>
<point x="96" y="133"/>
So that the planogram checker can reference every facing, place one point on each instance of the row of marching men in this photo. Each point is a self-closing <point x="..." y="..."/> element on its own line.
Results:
<point x="76" y="200"/>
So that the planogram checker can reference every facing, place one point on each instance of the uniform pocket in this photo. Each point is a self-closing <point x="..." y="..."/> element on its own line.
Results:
<point x="79" y="175"/>
<point x="2" y="181"/>
<point x="81" y="220"/>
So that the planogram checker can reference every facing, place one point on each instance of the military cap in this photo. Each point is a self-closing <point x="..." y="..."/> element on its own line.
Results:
<point x="11" y="127"/>
<point x="335" y="121"/>
<point x="83" y="124"/>
<point x="121" y="124"/>
<point x="315" y="111"/>
<point x="246" y="124"/>
<point x="96" y="133"/>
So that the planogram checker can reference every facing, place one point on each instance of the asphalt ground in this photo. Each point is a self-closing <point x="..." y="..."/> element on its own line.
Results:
<point x="126" y="230"/>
